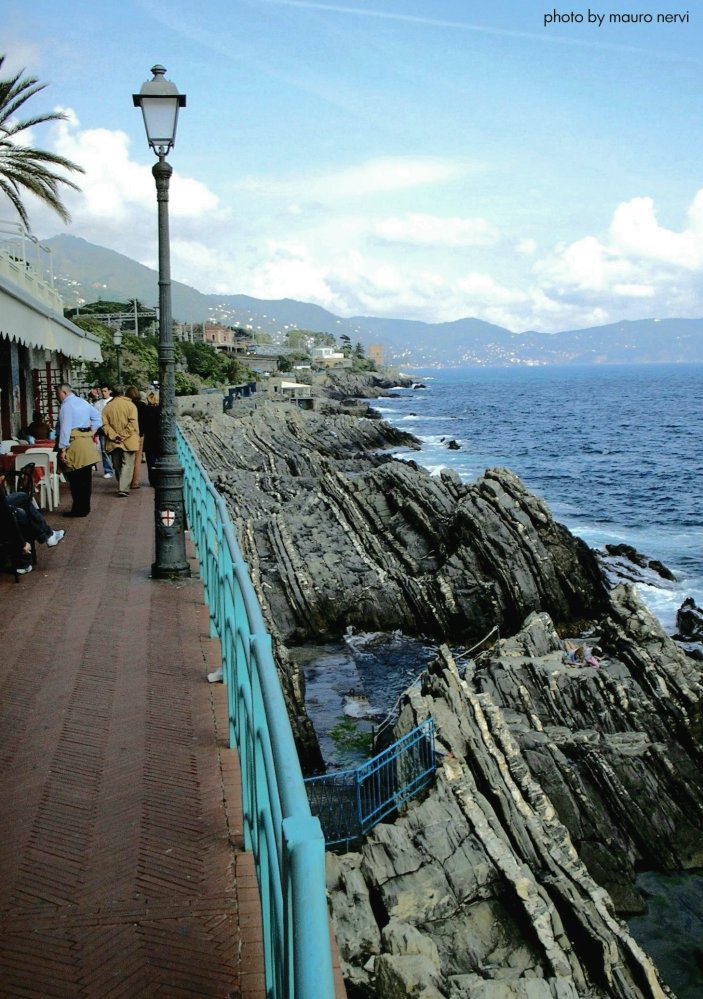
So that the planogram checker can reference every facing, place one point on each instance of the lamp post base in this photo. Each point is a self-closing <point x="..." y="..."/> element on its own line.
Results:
<point x="169" y="572"/>
<point x="169" y="521"/>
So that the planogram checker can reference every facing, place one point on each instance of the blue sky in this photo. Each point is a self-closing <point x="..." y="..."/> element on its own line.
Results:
<point x="377" y="159"/>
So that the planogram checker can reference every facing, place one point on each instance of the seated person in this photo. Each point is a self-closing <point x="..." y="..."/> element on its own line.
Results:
<point x="21" y="520"/>
<point x="38" y="429"/>
<point x="11" y="535"/>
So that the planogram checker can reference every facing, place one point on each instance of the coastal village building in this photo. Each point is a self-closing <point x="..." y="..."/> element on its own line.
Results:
<point x="285" y="390"/>
<point x="224" y="339"/>
<point x="328" y="357"/>
<point x="39" y="348"/>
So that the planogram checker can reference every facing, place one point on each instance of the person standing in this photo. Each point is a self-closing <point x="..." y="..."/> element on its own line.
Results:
<point x="100" y="404"/>
<point x="121" y="428"/>
<point x="134" y="394"/>
<point x="77" y="453"/>
<point x="152" y="419"/>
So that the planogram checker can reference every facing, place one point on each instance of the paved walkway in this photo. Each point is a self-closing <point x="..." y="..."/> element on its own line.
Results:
<point x="122" y="871"/>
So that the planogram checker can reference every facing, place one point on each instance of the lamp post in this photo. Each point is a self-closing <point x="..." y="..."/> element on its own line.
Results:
<point x="159" y="101"/>
<point x="117" y="341"/>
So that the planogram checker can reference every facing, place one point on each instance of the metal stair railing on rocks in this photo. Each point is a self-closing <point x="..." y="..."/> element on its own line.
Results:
<point x="351" y="802"/>
<point x="279" y="829"/>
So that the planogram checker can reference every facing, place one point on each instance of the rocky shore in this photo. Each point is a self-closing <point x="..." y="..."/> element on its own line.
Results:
<point x="558" y="781"/>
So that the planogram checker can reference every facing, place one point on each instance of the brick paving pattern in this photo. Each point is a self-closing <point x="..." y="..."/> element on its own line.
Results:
<point x="122" y="869"/>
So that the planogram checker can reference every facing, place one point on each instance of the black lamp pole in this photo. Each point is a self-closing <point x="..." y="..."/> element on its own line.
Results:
<point x="159" y="100"/>
<point x="117" y="340"/>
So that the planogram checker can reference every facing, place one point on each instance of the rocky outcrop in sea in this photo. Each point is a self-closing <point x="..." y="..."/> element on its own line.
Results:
<point x="558" y="780"/>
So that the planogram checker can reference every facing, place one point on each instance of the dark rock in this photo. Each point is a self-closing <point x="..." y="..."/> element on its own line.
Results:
<point x="689" y="621"/>
<point x="627" y="554"/>
<point x="496" y="877"/>
<point x="454" y="445"/>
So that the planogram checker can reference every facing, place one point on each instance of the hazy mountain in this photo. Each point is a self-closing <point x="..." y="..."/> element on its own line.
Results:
<point x="84" y="270"/>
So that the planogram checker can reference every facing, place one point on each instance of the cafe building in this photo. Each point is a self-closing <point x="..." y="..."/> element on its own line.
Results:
<point x="39" y="348"/>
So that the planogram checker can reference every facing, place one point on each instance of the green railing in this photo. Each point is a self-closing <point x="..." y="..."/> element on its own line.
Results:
<point x="286" y="840"/>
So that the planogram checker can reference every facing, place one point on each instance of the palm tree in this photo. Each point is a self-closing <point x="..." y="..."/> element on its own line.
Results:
<point x="24" y="167"/>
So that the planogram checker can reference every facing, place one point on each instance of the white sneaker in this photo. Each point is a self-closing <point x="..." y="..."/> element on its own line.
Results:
<point x="54" y="539"/>
<point x="22" y="572"/>
<point x="107" y="475"/>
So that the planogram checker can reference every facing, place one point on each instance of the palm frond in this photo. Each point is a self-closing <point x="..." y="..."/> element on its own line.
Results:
<point x="24" y="167"/>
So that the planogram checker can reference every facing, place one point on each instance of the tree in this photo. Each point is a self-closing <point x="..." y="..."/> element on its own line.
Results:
<point x="21" y="166"/>
<point x="297" y="339"/>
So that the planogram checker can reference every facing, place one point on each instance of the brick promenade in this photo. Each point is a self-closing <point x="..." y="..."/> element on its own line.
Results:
<point x="122" y="871"/>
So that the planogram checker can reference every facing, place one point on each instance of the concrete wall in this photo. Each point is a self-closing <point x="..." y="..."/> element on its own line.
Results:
<point x="210" y="403"/>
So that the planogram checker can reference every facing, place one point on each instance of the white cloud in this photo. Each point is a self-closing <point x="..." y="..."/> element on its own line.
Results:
<point x="417" y="229"/>
<point x="635" y="233"/>
<point x="346" y="252"/>
<point x="380" y="175"/>
<point x="526" y="247"/>
<point x="637" y="268"/>
<point x="114" y="185"/>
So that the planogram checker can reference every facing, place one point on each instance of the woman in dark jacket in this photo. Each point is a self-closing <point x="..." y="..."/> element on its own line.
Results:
<point x="152" y="418"/>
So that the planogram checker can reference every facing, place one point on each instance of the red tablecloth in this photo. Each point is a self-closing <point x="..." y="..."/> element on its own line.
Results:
<point x="21" y="448"/>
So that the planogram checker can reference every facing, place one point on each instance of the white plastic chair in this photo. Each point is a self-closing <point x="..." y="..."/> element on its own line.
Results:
<point x="40" y="458"/>
<point x="53" y="475"/>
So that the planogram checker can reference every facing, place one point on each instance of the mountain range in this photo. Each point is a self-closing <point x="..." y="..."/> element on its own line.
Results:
<point x="85" y="271"/>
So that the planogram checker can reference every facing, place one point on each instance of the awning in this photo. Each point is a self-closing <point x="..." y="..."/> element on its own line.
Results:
<point x="33" y="323"/>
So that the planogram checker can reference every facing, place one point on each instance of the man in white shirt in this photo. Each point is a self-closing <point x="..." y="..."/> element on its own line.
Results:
<point x="78" y="423"/>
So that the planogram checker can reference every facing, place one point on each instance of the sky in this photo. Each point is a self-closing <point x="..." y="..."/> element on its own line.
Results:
<point x="499" y="159"/>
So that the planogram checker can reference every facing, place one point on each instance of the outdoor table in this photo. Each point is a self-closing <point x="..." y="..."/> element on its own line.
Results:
<point x="21" y="448"/>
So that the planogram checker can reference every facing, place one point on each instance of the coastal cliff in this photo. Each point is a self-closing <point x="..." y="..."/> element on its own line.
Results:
<point x="557" y="781"/>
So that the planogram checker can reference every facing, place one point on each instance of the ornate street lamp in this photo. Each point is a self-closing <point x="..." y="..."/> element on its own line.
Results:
<point x="159" y="100"/>
<point x="117" y="341"/>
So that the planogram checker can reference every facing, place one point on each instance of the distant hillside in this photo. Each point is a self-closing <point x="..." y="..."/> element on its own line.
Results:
<point x="91" y="272"/>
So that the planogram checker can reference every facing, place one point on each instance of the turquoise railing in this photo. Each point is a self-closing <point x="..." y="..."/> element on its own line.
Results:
<point x="286" y="840"/>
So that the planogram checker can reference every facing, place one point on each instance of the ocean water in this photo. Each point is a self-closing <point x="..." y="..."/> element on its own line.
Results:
<point x="616" y="452"/>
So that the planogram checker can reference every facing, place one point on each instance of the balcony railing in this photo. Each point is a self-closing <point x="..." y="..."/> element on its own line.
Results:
<point x="27" y="264"/>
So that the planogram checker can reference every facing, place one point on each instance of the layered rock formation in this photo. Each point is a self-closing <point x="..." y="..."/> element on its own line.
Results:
<point x="557" y="782"/>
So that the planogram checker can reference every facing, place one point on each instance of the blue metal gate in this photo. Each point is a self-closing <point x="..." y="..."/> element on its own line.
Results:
<point x="350" y="802"/>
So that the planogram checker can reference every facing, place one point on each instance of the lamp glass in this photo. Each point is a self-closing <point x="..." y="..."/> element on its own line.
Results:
<point x="160" y="118"/>
<point x="117" y="337"/>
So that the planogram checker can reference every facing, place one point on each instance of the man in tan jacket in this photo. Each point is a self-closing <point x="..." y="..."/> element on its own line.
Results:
<point x="121" y="429"/>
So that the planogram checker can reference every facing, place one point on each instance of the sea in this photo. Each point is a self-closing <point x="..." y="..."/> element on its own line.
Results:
<point x="617" y="454"/>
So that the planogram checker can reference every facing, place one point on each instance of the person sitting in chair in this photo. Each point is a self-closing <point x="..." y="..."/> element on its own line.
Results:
<point x="21" y="522"/>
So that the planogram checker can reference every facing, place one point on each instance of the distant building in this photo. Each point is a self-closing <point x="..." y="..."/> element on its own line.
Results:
<point x="285" y="390"/>
<point x="225" y="339"/>
<point x="374" y="352"/>
<point x="328" y="357"/>
<point x="190" y="332"/>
